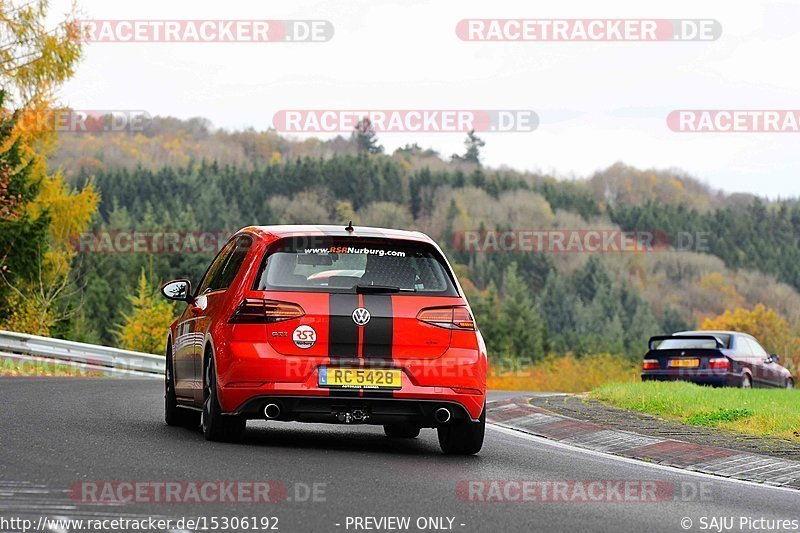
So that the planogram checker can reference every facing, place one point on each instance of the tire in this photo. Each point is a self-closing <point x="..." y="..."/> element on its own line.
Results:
<point x="401" y="431"/>
<point x="216" y="426"/>
<point x="464" y="437"/>
<point x="789" y="383"/>
<point x="174" y="415"/>
<point x="746" y="382"/>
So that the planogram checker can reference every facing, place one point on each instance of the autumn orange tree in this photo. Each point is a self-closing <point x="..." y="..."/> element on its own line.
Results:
<point x="771" y="330"/>
<point x="36" y="57"/>
<point x="35" y="303"/>
<point x="41" y="215"/>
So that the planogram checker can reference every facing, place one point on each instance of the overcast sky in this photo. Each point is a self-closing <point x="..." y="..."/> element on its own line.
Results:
<point x="598" y="102"/>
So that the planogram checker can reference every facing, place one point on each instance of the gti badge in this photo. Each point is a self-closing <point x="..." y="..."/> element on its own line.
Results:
<point x="361" y="316"/>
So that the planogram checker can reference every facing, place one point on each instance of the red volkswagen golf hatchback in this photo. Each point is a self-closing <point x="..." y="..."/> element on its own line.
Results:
<point x="328" y="324"/>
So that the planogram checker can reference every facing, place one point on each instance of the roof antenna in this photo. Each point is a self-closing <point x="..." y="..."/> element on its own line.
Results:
<point x="349" y="228"/>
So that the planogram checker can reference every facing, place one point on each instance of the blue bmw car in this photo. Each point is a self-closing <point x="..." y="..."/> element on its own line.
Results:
<point x="718" y="358"/>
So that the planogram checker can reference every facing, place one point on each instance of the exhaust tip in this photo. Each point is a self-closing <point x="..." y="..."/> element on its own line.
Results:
<point x="272" y="411"/>
<point x="442" y="415"/>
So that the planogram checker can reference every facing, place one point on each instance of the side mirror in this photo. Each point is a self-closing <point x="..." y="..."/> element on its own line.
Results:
<point x="179" y="290"/>
<point x="775" y="358"/>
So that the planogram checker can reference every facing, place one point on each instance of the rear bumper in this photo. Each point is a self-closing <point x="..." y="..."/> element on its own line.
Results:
<point x="250" y="373"/>
<point x="339" y="409"/>
<point x="302" y="401"/>
<point x="701" y="377"/>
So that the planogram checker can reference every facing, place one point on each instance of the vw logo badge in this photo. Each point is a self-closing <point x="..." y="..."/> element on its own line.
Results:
<point x="361" y="316"/>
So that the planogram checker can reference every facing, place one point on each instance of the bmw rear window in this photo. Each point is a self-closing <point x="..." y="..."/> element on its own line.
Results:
<point x="677" y="343"/>
<point x="341" y="266"/>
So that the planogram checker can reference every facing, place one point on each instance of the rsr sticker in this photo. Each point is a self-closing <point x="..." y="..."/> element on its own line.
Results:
<point x="304" y="337"/>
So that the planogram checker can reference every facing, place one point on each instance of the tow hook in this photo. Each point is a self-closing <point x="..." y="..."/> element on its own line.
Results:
<point x="351" y="417"/>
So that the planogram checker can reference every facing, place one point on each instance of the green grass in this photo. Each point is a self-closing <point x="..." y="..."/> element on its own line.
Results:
<point x="715" y="417"/>
<point x="28" y="368"/>
<point x="762" y="412"/>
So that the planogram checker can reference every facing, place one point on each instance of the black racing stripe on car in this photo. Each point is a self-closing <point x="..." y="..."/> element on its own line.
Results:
<point x="378" y="332"/>
<point x="343" y="332"/>
<point x="378" y="336"/>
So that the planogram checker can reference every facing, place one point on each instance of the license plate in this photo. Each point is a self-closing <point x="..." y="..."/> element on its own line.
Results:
<point x="684" y="363"/>
<point x="360" y="378"/>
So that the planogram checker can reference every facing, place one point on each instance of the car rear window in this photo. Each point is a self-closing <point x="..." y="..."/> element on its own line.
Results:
<point x="679" y="344"/>
<point x="326" y="265"/>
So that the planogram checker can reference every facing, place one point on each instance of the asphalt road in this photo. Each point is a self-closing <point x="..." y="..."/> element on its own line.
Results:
<point x="54" y="433"/>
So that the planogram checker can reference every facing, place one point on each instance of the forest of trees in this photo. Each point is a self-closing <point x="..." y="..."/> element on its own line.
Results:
<point x="758" y="235"/>
<point x="555" y="303"/>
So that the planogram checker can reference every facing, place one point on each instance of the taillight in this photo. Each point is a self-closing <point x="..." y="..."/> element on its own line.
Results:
<point x="466" y="390"/>
<point x="719" y="363"/>
<point x="650" y="364"/>
<point x="447" y="317"/>
<point x="258" y="311"/>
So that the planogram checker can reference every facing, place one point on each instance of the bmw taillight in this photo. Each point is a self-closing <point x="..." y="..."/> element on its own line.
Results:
<point x="650" y="364"/>
<point x="259" y="311"/>
<point x="719" y="363"/>
<point x="448" y="317"/>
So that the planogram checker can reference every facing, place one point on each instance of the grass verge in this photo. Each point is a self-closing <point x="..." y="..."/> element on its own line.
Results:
<point x="761" y="412"/>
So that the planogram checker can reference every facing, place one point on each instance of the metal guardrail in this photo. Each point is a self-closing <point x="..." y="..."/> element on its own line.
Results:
<point x="92" y="355"/>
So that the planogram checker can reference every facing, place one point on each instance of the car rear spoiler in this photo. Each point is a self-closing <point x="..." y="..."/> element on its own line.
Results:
<point x="658" y="338"/>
